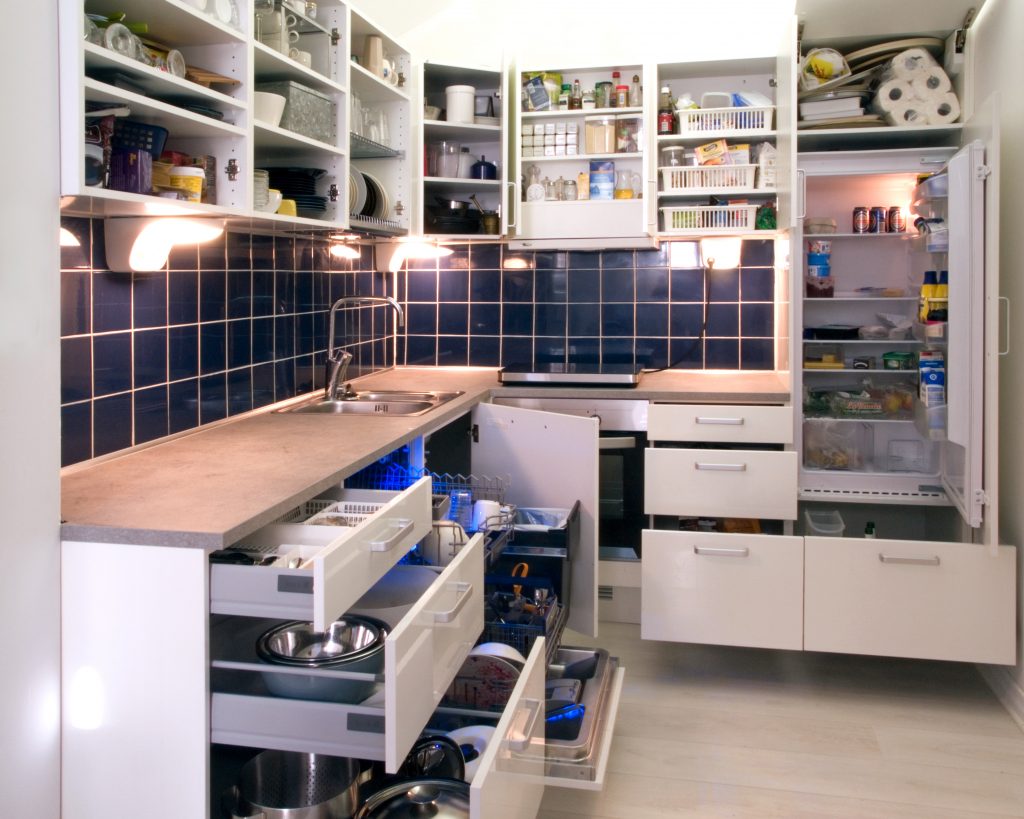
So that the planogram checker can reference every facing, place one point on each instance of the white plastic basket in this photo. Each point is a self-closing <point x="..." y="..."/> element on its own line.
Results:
<point x="326" y="512"/>
<point x="693" y="219"/>
<point x="707" y="178"/>
<point x="751" y="118"/>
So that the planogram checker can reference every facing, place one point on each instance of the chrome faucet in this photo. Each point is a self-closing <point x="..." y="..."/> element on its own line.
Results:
<point x="339" y="359"/>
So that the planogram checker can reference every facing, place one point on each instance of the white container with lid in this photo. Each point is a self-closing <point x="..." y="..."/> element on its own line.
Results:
<point x="824" y="523"/>
<point x="460" y="102"/>
<point x="188" y="180"/>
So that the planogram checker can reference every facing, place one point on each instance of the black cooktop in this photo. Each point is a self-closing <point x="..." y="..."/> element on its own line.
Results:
<point x="557" y="372"/>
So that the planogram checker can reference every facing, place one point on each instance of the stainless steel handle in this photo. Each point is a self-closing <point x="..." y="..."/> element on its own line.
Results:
<point x="926" y="161"/>
<point x="707" y="467"/>
<point x="910" y="561"/>
<point x="465" y="591"/>
<point x="802" y="192"/>
<point x="1003" y="300"/>
<point x="732" y="422"/>
<point x="618" y="442"/>
<point x="404" y="528"/>
<point x="527" y="715"/>
<point x="718" y="551"/>
<point x="513" y="204"/>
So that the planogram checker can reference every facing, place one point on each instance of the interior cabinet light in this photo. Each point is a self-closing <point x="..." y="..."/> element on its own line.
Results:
<point x="144" y="243"/>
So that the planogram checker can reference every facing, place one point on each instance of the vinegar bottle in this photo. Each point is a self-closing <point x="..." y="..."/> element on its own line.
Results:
<point x="634" y="92"/>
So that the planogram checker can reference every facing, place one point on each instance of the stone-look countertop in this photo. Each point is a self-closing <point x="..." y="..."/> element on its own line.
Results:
<point x="209" y="488"/>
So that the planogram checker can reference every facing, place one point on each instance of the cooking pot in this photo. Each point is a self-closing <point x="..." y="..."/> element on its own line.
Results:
<point x="437" y="798"/>
<point x="352" y="643"/>
<point x="454" y="206"/>
<point x="288" y="785"/>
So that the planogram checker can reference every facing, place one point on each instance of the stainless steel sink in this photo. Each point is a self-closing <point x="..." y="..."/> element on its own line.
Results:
<point x="377" y="402"/>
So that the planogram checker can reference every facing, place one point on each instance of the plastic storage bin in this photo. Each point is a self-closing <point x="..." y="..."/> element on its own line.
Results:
<point x="823" y="523"/>
<point x="307" y="111"/>
<point x="750" y="118"/>
<point x="706" y="178"/>
<point x="693" y="219"/>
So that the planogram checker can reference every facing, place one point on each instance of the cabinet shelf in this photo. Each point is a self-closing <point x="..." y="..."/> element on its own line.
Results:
<point x="862" y="420"/>
<point x="172" y="21"/>
<point x="274" y="142"/>
<point x="854" y="139"/>
<point x="371" y="88"/>
<point x="860" y="236"/>
<point x="362" y="148"/>
<point x="461" y="131"/>
<point x="699" y="138"/>
<point x="99" y="202"/>
<point x="890" y="341"/>
<point x="844" y="298"/>
<point x="582" y="157"/>
<point x="578" y="113"/>
<point x="859" y="371"/>
<point x="269" y="64"/>
<point x="704" y="193"/>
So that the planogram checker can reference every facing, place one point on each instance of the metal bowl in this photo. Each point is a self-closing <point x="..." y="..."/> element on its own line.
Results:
<point x="352" y="643"/>
<point x="287" y="785"/>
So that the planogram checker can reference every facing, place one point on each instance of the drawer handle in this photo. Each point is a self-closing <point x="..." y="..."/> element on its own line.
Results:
<point x="528" y="714"/>
<point x="465" y="591"/>
<point x="910" y="561"/>
<point x="730" y="422"/>
<point x="707" y="467"/>
<point x="404" y="528"/>
<point x="720" y="552"/>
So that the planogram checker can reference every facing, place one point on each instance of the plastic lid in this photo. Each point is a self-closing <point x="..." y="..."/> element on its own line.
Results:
<point x="457" y="88"/>
<point x="187" y="170"/>
<point x="930" y="277"/>
<point x="608" y="119"/>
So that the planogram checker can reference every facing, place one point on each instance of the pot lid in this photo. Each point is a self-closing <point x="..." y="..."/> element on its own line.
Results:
<point x="440" y="798"/>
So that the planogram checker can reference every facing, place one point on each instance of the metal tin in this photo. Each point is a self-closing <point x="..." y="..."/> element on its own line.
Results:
<point x="861" y="220"/>
<point x="897" y="221"/>
<point x="878" y="220"/>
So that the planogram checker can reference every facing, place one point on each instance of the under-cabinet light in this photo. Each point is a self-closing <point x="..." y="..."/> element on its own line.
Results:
<point x="340" y="251"/>
<point x="400" y="252"/>
<point x="68" y="239"/>
<point x="721" y="252"/>
<point x="139" y="244"/>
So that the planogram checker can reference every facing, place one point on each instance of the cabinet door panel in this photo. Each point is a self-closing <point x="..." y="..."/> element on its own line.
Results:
<point x="723" y="589"/>
<point x="906" y="598"/>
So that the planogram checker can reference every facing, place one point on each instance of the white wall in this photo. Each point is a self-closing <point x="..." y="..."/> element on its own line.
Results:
<point x="998" y="64"/>
<point x="30" y="424"/>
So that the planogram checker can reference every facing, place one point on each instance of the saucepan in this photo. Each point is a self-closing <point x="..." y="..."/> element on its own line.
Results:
<point x="455" y="207"/>
<point x="288" y="785"/>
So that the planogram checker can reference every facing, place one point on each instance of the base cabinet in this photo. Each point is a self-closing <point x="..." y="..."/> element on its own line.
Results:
<point x="922" y="599"/>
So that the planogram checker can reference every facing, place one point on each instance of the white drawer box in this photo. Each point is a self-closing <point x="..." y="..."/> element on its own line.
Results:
<point x="900" y="598"/>
<point x="723" y="589"/>
<point x="422" y="654"/>
<point x="735" y="483"/>
<point x="335" y="565"/>
<point x="741" y="424"/>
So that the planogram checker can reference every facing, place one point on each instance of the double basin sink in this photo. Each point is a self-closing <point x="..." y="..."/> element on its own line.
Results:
<point x="377" y="402"/>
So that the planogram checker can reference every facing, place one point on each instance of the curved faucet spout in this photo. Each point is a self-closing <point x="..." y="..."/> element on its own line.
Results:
<point x="338" y="360"/>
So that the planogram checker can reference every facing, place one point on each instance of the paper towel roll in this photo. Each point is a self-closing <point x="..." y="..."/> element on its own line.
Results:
<point x="911" y="63"/>
<point x="892" y="94"/>
<point x="909" y="113"/>
<point x="941" y="109"/>
<point x="931" y="82"/>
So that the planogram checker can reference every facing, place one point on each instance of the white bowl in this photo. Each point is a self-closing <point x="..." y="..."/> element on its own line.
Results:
<point x="506" y="652"/>
<point x="268" y="108"/>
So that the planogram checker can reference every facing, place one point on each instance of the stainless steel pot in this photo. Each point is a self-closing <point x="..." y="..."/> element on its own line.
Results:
<point x="286" y="785"/>
<point x="437" y="798"/>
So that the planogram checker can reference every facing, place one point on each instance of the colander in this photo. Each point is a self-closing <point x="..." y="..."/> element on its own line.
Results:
<point x="288" y="785"/>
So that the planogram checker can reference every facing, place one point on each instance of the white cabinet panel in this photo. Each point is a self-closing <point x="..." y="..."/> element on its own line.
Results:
<point x="723" y="589"/>
<point x="933" y="600"/>
<point x="720" y="483"/>
<point x="741" y="424"/>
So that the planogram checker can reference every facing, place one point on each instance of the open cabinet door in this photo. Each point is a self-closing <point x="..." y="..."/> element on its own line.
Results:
<point x="785" y="128"/>
<point x="965" y="367"/>
<point x="550" y="460"/>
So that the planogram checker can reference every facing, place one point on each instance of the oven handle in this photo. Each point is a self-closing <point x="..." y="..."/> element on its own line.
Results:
<point x="617" y="442"/>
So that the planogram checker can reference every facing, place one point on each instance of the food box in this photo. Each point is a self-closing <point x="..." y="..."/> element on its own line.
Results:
<point x="307" y="111"/>
<point x="898" y="361"/>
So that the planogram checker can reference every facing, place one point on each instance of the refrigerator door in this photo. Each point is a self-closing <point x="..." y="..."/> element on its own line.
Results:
<point x="965" y="367"/>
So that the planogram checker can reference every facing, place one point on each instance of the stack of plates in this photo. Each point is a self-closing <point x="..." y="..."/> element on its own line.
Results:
<point x="367" y="197"/>
<point x="300" y="184"/>
<point x="865" y="58"/>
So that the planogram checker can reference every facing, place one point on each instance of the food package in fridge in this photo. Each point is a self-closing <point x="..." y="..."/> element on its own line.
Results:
<point x="307" y="111"/>
<point x="837" y="445"/>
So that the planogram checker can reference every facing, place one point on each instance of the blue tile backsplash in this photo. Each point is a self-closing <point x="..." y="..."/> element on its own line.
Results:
<point x="242" y="322"/>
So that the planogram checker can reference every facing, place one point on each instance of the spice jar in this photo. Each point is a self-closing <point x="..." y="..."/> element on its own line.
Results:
<point x="569" y="190"/>
<point x="622" y="96"/>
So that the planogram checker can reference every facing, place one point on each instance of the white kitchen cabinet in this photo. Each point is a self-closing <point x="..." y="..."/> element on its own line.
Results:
<point x="591" y="223"/>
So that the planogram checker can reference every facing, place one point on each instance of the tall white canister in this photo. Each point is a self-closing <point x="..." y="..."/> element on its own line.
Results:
<point x="460" y="103"/>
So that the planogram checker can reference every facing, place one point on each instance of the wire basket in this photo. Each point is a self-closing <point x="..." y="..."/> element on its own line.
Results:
<point x="521" y="636"/>
<point x="132" y="134"/>
<point x="723" y="120"/>
<point x="696" y="219"/>
<point x="707" y="178"/>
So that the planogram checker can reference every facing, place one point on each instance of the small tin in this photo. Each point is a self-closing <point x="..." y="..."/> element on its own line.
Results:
<point x="861" y="220"/>
<point x="878" y="220"/>
<point x="897" y="222"/>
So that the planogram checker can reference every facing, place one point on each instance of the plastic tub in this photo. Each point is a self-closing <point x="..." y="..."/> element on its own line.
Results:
<point x="824" y="523"/>
<point x="599" y="135"/>
<point x="460" y="102"/>
<point x="189" y="180"/>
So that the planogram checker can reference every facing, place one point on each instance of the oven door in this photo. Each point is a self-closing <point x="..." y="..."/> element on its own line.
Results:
<point x="621" y="493"/>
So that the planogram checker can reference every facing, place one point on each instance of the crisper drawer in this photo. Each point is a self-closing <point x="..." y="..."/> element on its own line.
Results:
<point x="514" y="770"/>
<point x="735" y="483"/>
<point x="740" y="424"/>
<point x="422" y="654"/>
<point x="724" y="589"/>
<point x="321" y="570"/>
<point x="907" y="598"/>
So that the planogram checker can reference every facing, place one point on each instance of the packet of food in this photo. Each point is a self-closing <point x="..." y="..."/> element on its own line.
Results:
<point x="713" y="153"/>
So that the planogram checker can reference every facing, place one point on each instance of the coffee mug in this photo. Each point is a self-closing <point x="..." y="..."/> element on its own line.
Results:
<point x="486" y="513"/>
<point x="303" y="57"/>
<point x="271" y="23"/>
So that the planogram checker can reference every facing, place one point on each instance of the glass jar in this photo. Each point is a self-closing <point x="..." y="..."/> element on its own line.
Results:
<point x="569" y="190"/>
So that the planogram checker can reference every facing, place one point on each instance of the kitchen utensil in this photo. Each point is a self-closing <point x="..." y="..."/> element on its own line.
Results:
<point x="482" y="169"/>
<point x="489" y="222"/>
<point x="466" y="162"/>
<point x="373" y="54"/>
<point x="483" y="682"/>
<point x="476" y="202"/>
<point x="502" y="650"/>
<point x="473" y="741"/>
<point x="431" y="112"/>
<point x="456" y="206"/>
<point x="437" y="798"/>
<point x="289" y="785"/>
<point x="391" y="597"/>
<point x="273" y="202"/>
<point x="117" y="37"/>
<point x="448" y="159"/>
<point x="893" y="47"/>
<point x="519" y="570"/>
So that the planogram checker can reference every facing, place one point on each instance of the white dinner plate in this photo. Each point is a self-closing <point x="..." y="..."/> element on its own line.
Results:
<point x="895" y="47"/>
<point x="382" y="204"/>
<point x="360" y="183"/>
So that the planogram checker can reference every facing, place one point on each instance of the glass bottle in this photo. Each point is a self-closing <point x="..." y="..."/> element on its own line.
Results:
<point x="576" y="97"/>
<point x="634" y="92"/>
<point x="616" y="82"/>
<point x="666" y="114"/>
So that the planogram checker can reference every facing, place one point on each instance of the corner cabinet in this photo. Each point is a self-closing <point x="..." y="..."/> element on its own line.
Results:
<point x="552" y="222"/>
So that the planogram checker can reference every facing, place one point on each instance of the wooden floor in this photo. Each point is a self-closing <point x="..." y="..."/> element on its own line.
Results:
<point x="716" y="731"/>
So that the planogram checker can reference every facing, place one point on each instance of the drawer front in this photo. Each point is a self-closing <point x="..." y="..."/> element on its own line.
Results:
<point x="899" y="598"/>
<point x="734" y="483"/>
<point x="335" y="565"/>
<point x="724" y="589"/>
<point x="421" y="656"/>
<point x="740" y="424"/>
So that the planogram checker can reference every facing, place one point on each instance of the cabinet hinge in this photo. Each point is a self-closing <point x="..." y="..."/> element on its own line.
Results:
<point x="332" y="192"/>
<point x="474" y="433"/>
<point x="981" y="497"/>
<point x="335" y="36"/>
<point x="983" y="172"/>
<point x="232" y="170"/>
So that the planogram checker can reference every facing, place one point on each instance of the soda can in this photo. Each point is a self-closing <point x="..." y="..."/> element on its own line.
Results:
<point x="878" y="220"/>
<point x="861" y="220"/>
<point x="897" y="221"/>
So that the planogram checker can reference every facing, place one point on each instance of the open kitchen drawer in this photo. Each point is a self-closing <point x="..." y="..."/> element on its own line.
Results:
<point x="520" y="762"/>
<point x="323" y="569"/>
<point x="422" y="654"/>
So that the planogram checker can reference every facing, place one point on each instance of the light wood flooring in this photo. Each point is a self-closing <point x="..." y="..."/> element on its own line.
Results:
<point x="707" y="731"/>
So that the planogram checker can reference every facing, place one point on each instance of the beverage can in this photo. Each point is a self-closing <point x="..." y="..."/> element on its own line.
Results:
<point x="897" y="221"/>
<point x="878" y="220"/>
<point x="861" y="220"/>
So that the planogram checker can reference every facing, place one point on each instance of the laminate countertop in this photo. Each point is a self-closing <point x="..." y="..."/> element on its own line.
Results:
<point x="209" y="488"/>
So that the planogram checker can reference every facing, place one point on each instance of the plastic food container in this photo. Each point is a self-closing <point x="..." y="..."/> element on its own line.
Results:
<point x="629" y="134"/>
<point x="599" y="135"/>
<point x="189" y="180"/>
<point x="460" y="103"/>
<point x="824" y="523"/>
